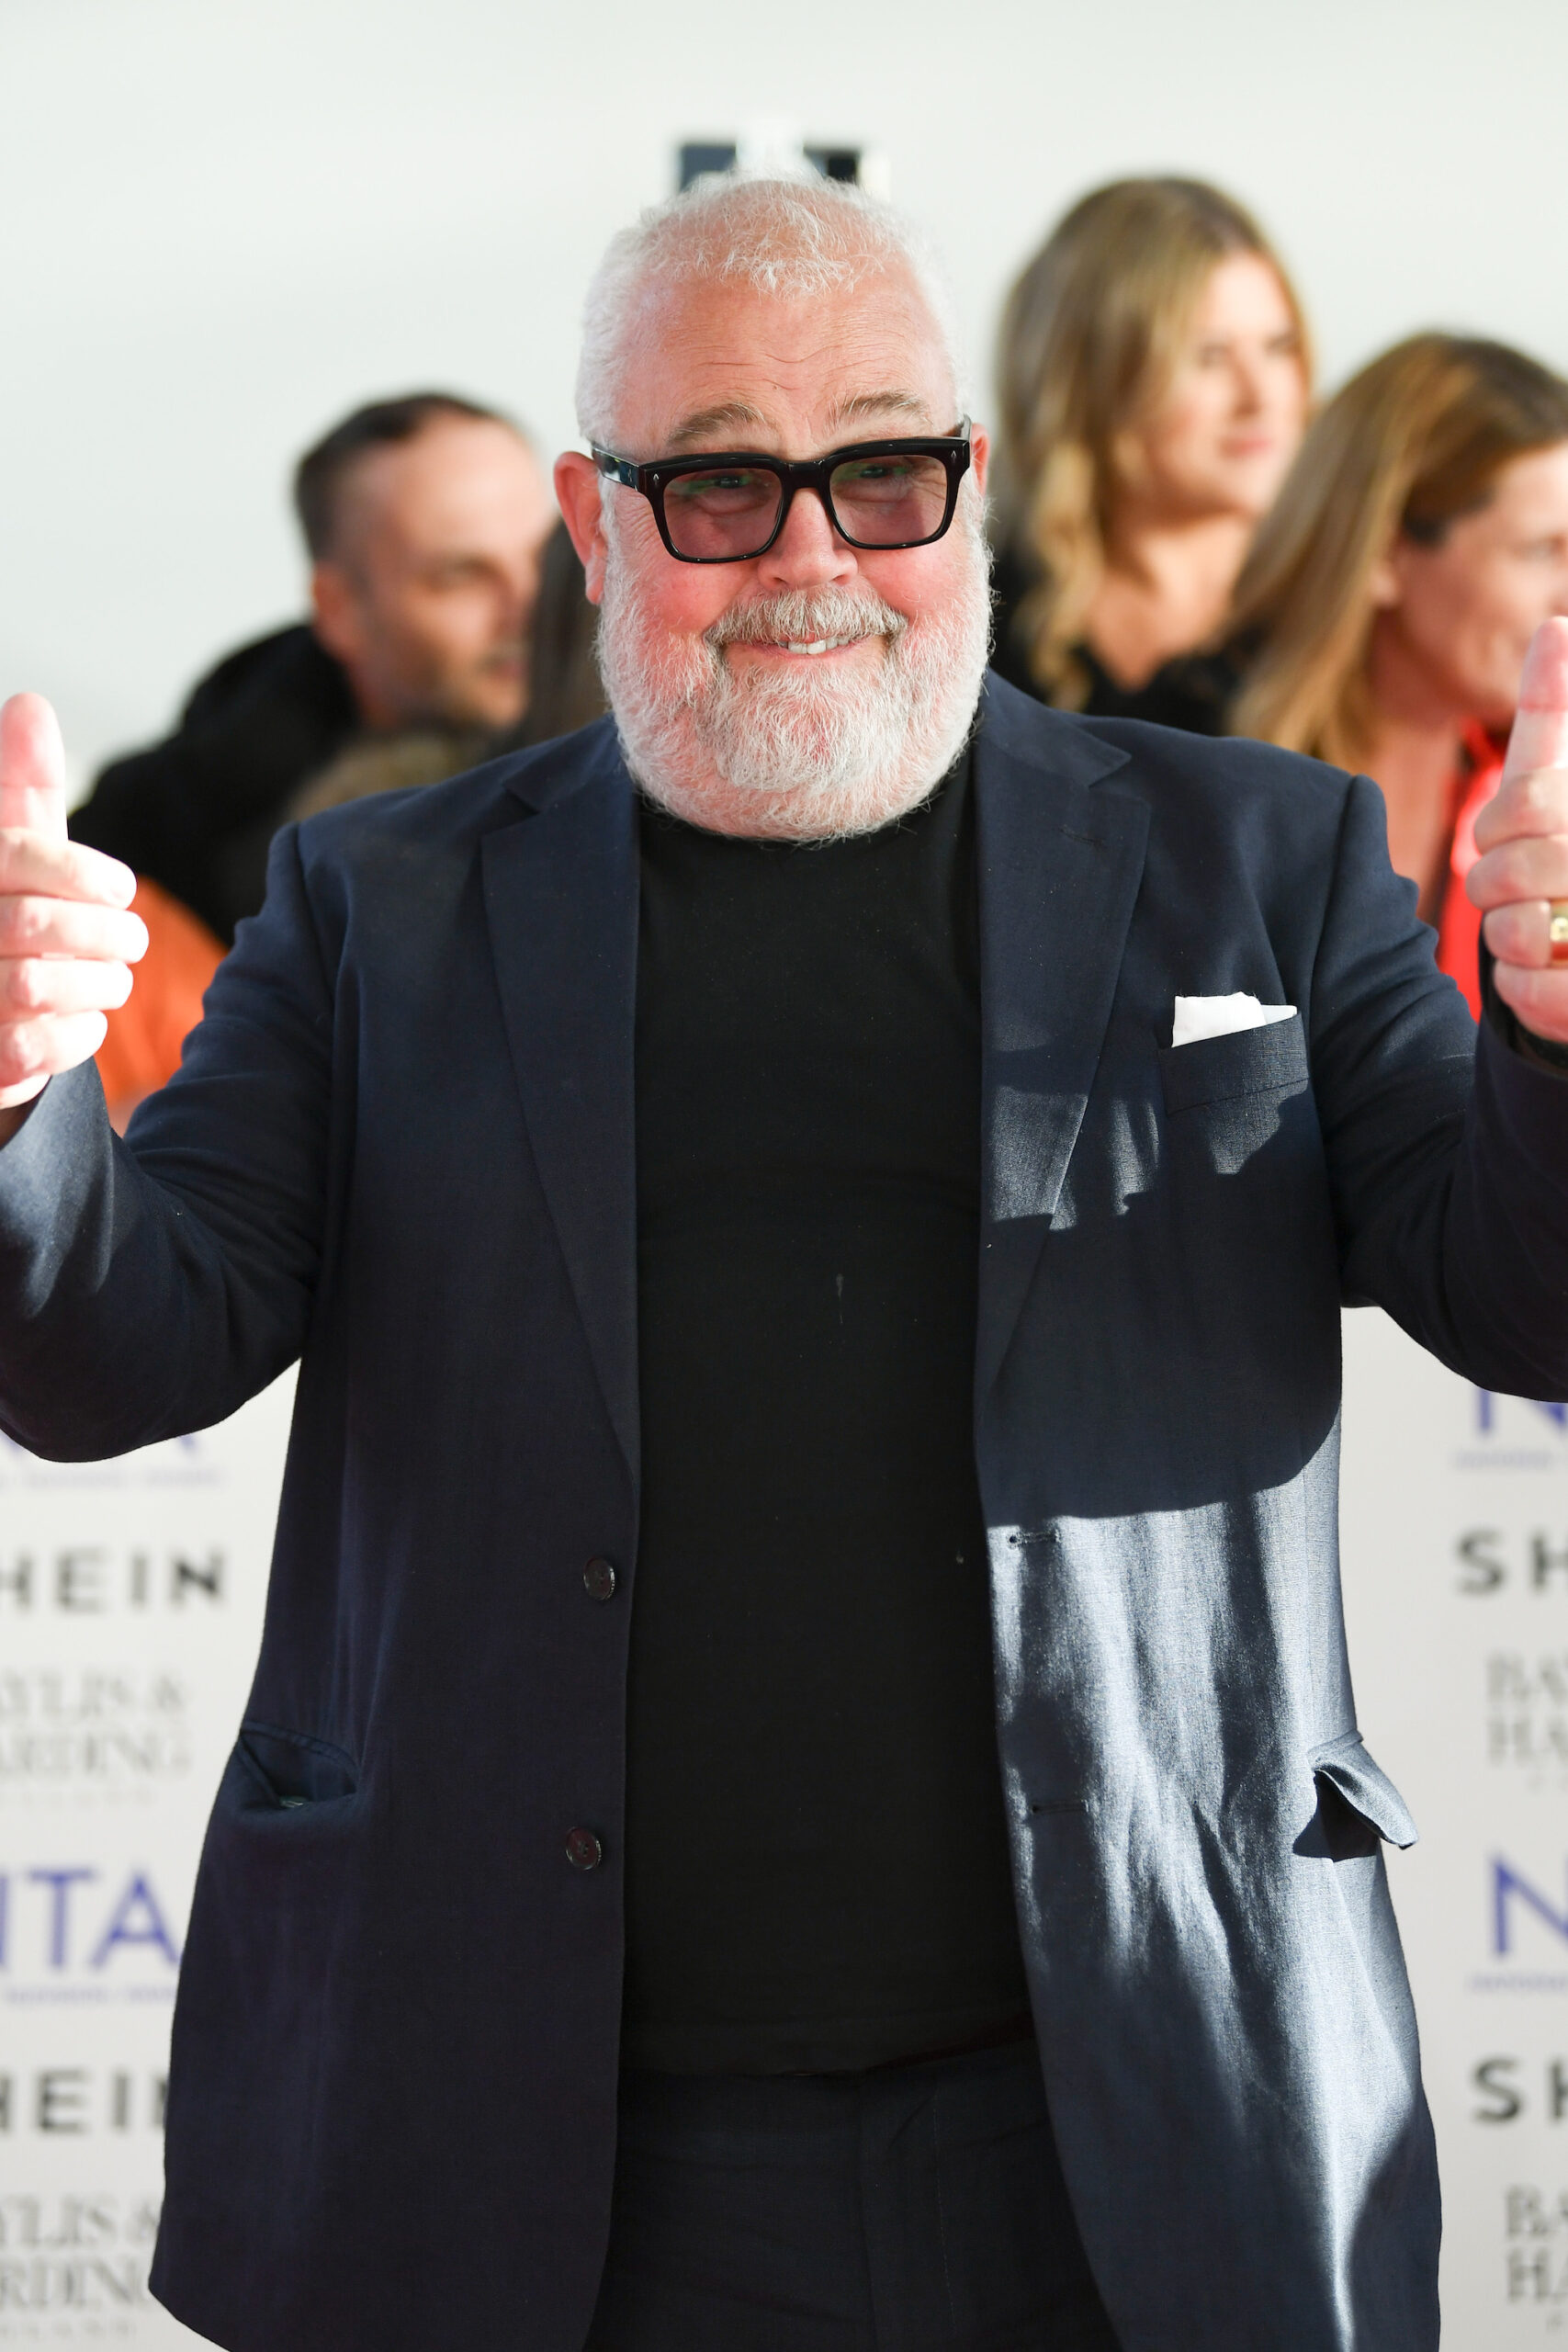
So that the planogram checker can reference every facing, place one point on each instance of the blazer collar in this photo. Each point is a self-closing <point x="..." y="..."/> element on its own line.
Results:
<point x="1060" y="862"/>
<point x="561" y="896"/>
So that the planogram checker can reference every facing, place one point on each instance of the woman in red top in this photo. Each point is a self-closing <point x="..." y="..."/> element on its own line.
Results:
<point x="1386" y="609"/>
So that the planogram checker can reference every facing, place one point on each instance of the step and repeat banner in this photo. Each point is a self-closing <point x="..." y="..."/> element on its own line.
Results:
<point x="130" y="1607"/>
<point x="1454" y="1529"/>
<point x="130" y="1613"/>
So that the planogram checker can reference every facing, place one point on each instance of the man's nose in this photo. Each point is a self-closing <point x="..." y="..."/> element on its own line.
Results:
<point x="809" y="552"/>
<point x="513" y="591"/>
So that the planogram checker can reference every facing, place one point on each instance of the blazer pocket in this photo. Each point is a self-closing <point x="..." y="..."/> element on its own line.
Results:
<point x="1365" y="1787"/>
<point x="288" y="1770"/>
<point x="1271" y="1060"/>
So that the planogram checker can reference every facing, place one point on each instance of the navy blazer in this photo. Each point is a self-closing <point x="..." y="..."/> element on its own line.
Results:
<point x="401" y="1150"/>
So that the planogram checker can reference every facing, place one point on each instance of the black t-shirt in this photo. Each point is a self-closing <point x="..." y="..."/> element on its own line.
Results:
<point x="816" y="1863"/>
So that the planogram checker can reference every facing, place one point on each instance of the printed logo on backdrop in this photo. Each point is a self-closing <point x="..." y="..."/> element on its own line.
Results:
<point x="77" y="1732"/>
<point x="178" y="1462"/>
<point x="1511" y="1433"/>
<point x="1492" y="1560"/>
<point x="79" y="2262"/>
<point x="70" y="1581"/>
<point x="1534" y="2215"/>
<point x="1525" y="1712"/>
<point x="1508" y="2088"/>
<point x="1524" y="1926"/>
<point x="56" y="2098"/>
<point x="1535" y="2248"/>
<point x="75" y="1931"/>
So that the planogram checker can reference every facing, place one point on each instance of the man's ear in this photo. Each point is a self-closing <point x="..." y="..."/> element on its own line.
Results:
<point x="979" y="456"/>
<point x="578" y="496"/>
<point x="335" y="613"/>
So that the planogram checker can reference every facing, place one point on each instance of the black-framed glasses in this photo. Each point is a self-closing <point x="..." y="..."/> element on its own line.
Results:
<point x="725" y="506"/>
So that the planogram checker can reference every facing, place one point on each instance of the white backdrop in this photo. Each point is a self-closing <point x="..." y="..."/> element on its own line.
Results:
<point x="224" y="221"/>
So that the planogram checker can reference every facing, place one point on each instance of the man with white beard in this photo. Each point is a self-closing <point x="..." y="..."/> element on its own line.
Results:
<point x="802" y="1787"/>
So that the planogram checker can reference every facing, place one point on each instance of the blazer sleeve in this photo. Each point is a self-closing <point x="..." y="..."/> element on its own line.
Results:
<point x="1447" y="1151"/>
<point x="150" y="1286"/>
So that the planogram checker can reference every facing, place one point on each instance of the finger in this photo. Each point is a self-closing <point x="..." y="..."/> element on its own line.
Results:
<point x="50" y="984"/>
<point x="1520" y="934"/>
<point x="63" y="869"/>
<point x="1540" y="736"/>
<point x="1532" y="803"/>
<point x="1539" y="999"/>
<point x="32" y="767"/>
<point x="71" y="927"/>
<point x="32" y="1051"/>
<point x="1519" y="869"/>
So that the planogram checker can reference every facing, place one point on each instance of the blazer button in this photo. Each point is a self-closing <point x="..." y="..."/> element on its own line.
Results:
<point x="584" y="1851"/>
<point x="599" y="1580"/>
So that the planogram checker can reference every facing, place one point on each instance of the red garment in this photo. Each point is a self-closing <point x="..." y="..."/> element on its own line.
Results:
<point x="1459" y="924"/>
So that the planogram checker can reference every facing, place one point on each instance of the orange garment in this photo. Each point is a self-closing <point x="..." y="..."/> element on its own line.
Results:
<point x="143" y="1047"/>
<point x="1459" y="924"/>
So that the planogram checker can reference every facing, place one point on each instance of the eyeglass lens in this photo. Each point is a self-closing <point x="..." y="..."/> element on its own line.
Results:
<point x="881" y="501"/>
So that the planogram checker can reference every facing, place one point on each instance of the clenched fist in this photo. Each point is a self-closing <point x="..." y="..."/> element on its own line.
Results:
<point x="1523" y="836"/>
<point x="67" y="936"/>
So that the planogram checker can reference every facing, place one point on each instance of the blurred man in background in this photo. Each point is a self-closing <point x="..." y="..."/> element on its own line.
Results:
<point x="425" y="517"/>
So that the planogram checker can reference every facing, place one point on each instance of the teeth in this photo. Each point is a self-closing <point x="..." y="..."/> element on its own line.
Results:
<point x="819" y="644"/>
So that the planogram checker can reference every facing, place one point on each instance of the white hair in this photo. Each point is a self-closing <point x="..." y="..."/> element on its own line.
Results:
<point x="797" y="237"/>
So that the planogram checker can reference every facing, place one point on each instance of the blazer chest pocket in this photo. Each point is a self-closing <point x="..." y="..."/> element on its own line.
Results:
<point x="1272" y="1059"/>
<point x="1225" y="1094"/>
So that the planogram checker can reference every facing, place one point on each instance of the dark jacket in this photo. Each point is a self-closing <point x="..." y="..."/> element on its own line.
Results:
<point x="401" y="1149"/>
<point x="197" y="813"/>
<point x="1192" y="692"/>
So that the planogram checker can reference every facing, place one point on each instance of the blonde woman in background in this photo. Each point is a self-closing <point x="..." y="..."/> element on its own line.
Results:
<point x="1153" y="387"/>
<point x="1420" y="538"/>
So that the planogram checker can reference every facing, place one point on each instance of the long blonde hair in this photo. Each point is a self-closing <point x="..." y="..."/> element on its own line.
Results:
<point x="1091" y="338"/>
<point x="1414" y="440"/>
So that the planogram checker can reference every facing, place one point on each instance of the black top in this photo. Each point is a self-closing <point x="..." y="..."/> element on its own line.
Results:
<point x="1192" y="692"/>
<point x="817" y="1865"/>
<point x="197" y="813"/>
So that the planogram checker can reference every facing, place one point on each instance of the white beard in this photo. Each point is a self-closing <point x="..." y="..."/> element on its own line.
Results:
<point x="796" y="753"/>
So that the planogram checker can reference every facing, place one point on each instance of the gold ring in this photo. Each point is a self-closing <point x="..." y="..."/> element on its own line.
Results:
<point x="1557" y="931"/>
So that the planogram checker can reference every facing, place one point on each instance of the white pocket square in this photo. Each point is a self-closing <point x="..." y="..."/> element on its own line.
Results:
<point x="1216" y="1016"/>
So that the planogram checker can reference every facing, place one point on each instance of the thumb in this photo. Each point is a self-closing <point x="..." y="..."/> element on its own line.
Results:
<point x="1540" y="737"/>
<point x="32" y="767"/>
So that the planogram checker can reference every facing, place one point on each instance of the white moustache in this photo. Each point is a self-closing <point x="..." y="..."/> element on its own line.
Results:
<point x="799" y="619"/>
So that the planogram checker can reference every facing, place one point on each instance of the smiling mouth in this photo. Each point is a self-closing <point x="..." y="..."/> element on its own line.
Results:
<point x="819" y="644"/>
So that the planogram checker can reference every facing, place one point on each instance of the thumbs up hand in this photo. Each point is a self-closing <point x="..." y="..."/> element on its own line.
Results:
<point x="67" y="937"/>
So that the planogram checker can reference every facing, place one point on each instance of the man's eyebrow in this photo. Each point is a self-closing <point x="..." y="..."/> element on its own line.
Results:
<point x="860" y="406"/>
<point x="740" y="416"/>
<point x="719" y="418"/>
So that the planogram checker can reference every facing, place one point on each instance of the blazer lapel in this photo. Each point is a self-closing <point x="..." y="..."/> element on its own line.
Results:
<point x="1060" y="864"/>
<point x="561" y="892"/>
